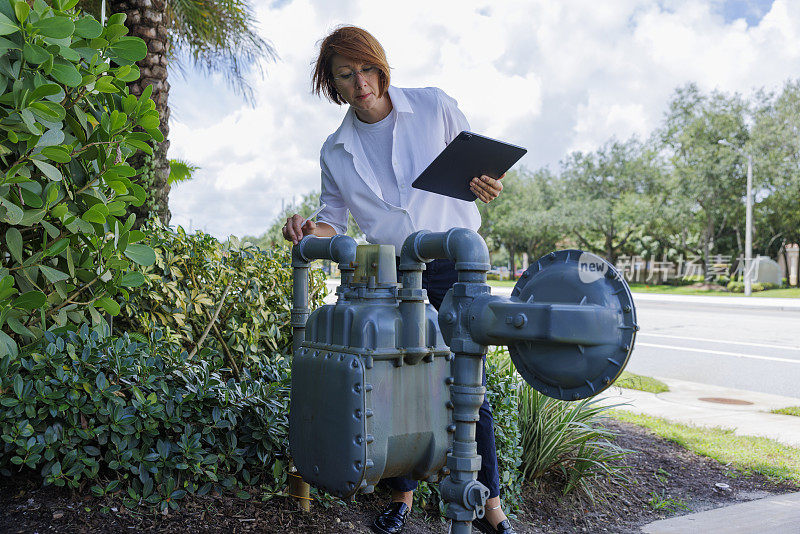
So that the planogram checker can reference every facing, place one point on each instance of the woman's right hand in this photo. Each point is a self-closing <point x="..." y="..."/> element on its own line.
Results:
<point x="294" y="230"/>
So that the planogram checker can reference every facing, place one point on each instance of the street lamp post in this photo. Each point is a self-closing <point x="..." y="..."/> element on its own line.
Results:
<point x="748" y="231"/>
<point x="748" y="219"/>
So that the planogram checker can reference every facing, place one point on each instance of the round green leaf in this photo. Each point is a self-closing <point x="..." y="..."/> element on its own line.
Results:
<point x="104" y="85"/>
<point x="56" y="27"/>
<point x="49" y="111"/>
<point x="141" y="254"/>
<point x="30" y="301"/>
<point x="13" y="213"/>
<point x="46" y="89"/>
<point x="31" y="199"/>
<point x="58" y="154"/>
<point x="108" y="304"/>
<point x="58" y="247"/>
<point x="51" y="138"/>
<point x="21" y="10"/>
<point x="66" y="73"/>
<point x="130" y="48"/>
<point x="7" y="26"/>
<point x="88" y="28"/>
<point x="69" y="54"/>
<point x="34" y="53"/>
<point x="49" y="170"/>
<point x="14" y="242"/>
<point x="128" y="73"/>
<point x="93" y="216"/>
<point x="132" y="279"/>
<point x="53" y="275"/>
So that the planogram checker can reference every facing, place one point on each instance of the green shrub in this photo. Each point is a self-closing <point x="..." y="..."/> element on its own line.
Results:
<point x="67" y="129"/>
<point x="195" y="276"/>
<point x="140" y="420"/>
<point x="735" y="286"/>
<point x="568" y="440"/>
<point x="738" y="287"/>
<point x="502" y="384"/>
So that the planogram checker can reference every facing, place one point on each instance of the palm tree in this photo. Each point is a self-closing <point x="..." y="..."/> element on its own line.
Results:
<point x="218" y="36"/>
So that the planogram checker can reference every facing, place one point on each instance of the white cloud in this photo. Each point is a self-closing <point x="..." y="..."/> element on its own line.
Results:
<point x="549" y="75"/>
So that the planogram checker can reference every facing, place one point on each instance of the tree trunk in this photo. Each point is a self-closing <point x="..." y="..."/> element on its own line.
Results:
<point x="709" y="231"/>
<point x="144" y="20"/>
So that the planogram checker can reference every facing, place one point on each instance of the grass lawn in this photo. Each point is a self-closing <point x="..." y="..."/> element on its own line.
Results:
<point x="791" y="410"/>
<point x="747" y="453"/>
<point x="789" y="292"/>
<point x="640" y="382"/>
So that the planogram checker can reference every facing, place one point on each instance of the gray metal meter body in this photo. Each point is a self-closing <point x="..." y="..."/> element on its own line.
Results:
<point x="348" y="369"/>
<point x="384" y="386"/>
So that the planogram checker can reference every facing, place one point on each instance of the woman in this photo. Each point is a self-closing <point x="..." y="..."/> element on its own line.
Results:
<point x="387" y="138"/>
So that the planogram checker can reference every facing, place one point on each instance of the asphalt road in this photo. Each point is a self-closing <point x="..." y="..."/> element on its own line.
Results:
<point x="755" y="350"/>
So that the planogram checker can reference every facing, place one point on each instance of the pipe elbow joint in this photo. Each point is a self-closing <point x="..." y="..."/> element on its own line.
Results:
<point x="409" y="253"/>
<point x="467" y="248"/>
<point x="343" y="250"/>
<point x="339" y="248"/>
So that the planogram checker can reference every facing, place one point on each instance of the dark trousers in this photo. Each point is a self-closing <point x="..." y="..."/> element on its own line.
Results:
<point x="437" y="279"/>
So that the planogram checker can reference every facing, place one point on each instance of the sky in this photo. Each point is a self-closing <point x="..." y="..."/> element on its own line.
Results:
<point x="554" y="76"/>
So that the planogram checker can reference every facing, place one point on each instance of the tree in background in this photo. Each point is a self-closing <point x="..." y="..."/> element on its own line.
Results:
<point x="610" y="194"/>
<point x="710" y="177"/>
<point x="217" y="36"/>
<point x="305" y="207"/>
<point x="775" y="145"/>
<point x="524" y="218"/>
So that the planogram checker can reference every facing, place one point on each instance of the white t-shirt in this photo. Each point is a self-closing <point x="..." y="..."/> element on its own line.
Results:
<point x="426" y="120"/>
<point x="376" y="139"/>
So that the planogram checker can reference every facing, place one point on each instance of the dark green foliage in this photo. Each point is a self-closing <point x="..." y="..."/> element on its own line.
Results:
<point x="66" y="129"/>
<point x="185" y="285"/>
<point x="141" y="420"/>
<point x="501" y="390"/>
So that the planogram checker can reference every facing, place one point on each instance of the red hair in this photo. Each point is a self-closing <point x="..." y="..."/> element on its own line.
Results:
<point x="355" y="44"/>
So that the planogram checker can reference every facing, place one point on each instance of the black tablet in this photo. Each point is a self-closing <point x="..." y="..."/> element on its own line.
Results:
<point x="467" y="156"/>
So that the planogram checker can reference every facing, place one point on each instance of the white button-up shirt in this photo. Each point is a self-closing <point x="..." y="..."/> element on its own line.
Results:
<point x="427" y="120"/>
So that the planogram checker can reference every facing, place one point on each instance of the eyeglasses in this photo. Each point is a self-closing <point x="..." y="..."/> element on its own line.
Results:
<point x="369" y="71"/>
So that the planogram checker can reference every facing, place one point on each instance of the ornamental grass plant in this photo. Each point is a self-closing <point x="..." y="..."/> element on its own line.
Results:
<point x="569" y="441"/>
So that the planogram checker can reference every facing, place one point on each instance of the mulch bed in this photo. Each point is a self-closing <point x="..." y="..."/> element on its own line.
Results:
<point x="666" y="480"/>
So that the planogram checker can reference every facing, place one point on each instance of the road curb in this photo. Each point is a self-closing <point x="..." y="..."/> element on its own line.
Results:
<point x="700" y="301"/>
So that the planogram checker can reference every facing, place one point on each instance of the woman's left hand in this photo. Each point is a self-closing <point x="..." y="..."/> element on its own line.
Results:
<point x="486" y="188"/>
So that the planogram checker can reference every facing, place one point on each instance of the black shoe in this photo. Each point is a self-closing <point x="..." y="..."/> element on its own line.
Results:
<point x="504" y="527"/>
<point x="392" y="520"/>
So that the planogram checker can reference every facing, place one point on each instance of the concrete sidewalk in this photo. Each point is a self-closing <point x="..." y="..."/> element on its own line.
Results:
<point x="744" y="412"/>
<point x="684" y="403"/>
<point x="779" y="514"/>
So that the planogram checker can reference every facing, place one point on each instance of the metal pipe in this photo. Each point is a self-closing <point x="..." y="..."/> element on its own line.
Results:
<point x="412" y="300"/>
<point x="465" y="496"/>
<point x="342" y="250"/>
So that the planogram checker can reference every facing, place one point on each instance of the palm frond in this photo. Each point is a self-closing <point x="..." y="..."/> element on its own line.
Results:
<point x="218" y="37"/>
<point x="180" y="171"/>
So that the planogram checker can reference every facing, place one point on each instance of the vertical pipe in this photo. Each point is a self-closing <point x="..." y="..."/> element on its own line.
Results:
<point x="464" y="495"/>
<point x="341" y="249"/>
<point x="299" y="305"/>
